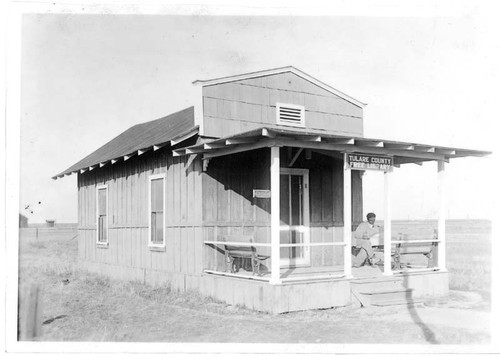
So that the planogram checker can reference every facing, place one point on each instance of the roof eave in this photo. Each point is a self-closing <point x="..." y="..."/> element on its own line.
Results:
<point x="265" y="137"/>
<point x="156" y="146"/>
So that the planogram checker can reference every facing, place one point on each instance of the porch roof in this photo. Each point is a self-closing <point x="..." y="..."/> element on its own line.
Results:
<point x="326" y="143"/>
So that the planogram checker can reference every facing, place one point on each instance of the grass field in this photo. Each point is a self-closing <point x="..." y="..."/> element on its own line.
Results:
<point x="468" y="252"/>
<point x="79" y="306"/>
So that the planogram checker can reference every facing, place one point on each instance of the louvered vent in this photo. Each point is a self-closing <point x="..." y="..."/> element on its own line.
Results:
<point x="291" y="115"/>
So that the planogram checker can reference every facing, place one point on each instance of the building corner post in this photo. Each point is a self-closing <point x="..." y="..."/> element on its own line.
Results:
<point x="441" y="216"/>
<point x="347" y="220"/>
<point x="198" y="109"/>
<point x="275" y="215"/>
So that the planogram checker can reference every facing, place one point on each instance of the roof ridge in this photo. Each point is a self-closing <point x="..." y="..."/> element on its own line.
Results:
<point x="164" y="117"/>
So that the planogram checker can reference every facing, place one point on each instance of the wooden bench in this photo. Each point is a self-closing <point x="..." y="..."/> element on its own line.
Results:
<point x="405" y="246"/>
<point x="426" y="247"/>
<point x="235" y="254"/>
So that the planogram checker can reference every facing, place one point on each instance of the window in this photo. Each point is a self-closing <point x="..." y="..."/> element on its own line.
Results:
<point x="290" y="115"/>
<point x="102" y="215"/>
<point x="157" y="210"/>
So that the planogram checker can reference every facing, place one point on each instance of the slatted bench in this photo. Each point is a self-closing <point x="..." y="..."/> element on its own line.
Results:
<point x="235" y="254"/>
<point x="405" y="246"/>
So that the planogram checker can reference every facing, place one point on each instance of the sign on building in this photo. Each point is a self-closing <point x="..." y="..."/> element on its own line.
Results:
<point x="261" y="193"/>
<point x="360" y="161"/>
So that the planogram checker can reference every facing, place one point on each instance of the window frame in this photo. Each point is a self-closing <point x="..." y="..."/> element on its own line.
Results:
<point x="302" y="109"/>
<point x="98" y="188"/>
<point x="152" y="244"/>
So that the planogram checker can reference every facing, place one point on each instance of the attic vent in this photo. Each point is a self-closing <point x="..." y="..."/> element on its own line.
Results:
<point x="291" y="115"/>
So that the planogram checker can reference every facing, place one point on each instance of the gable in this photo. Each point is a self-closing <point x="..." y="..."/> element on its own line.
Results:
<point x="288" y="81"/>
<point x="235" y="105"/>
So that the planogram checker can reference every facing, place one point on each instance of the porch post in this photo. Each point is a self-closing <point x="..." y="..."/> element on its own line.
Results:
<point x="441" y="217"/>
<point x="347" y="220"/>
<point x="275" y="215"/>
<point x="387" y="223"/>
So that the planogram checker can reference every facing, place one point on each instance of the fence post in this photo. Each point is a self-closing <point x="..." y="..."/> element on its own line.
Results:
<point x="30" y="312"/>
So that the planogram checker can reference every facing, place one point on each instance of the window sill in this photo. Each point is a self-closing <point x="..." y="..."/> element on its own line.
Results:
<point x="157" y="248"/>
<point x="103" y="245"/>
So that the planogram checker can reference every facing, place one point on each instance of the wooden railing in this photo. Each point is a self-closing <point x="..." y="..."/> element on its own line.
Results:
<point x="251" y="243"/>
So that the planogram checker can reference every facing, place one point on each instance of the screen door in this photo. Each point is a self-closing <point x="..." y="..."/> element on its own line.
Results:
<point x="294" y="217"/>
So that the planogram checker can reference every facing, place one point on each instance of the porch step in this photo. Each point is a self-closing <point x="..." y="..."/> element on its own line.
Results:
<point x="387" y="295"/>
<point x="380" y="291"/>
<point x="377" y="283"/>
<point x="377" y="280"/>
<point x="406" y="302"/>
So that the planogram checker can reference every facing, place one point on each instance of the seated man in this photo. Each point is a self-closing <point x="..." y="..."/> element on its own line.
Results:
<point x="362" y="235"/>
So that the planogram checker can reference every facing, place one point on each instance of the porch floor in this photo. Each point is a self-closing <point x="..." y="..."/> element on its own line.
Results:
<point x="312" y="273"/>
<point x="323" y="273"/>
<point x="367" y="272"/>
<point x="297" y="273"/>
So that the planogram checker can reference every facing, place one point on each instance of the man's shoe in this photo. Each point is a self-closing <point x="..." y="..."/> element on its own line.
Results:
<point x="375" y="262"/>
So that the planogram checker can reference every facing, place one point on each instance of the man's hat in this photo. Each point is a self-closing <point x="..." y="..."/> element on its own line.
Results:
<point x="370" y="215"/>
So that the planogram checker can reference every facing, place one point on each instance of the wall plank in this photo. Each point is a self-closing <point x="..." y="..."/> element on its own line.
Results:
<point x="182" y="186"/>
<point x="198" y="251"/>
<point x="184" y="254"/>
<point x="177" y="250"/>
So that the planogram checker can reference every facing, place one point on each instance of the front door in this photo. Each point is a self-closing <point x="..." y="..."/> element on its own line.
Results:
<point x="294" y="217"/>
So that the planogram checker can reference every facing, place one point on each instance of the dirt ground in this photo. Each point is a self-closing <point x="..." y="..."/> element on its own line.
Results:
<point x="79" y="306"/>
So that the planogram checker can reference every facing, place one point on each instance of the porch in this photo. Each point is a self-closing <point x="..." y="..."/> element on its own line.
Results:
<point x="320" y="292"/>
<point x="300" y="250"/>
<point x="409" y="264"/>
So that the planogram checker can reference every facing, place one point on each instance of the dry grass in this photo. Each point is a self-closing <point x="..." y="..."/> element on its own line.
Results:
<point x="80" y="306"/>
<point x="468" y="253"/>
<point x="469" y="261"/>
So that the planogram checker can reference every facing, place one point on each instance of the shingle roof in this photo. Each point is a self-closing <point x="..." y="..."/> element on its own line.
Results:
<point x="139" y="137"/>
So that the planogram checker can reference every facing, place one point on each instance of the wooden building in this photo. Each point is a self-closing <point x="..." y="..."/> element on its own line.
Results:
<point x="262" y="162"/>
<point x="23" y="221"/>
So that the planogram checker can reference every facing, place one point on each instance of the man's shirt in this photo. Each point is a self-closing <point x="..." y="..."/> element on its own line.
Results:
<point x="366" y="228"/>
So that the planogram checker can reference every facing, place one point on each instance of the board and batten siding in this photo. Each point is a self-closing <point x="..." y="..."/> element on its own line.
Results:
<point x="128" y="215"/>
<point x="240" y="106"/>
<point x="326" y="203"/>
<point x="229" y="208"/>
<point x="228" y="204"/>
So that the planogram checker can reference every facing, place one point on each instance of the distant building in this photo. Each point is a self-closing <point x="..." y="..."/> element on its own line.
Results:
<point x="265" y="168"/>
<point x="23" y="221"/>
<point x="50" y="222"/>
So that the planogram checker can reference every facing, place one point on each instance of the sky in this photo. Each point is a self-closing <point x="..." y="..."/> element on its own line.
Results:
<point x="425" y="79"/>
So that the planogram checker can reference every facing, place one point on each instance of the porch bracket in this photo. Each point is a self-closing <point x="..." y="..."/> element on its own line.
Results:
<point x="295" y="157"/>
<point x="205" y="164"/>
